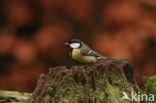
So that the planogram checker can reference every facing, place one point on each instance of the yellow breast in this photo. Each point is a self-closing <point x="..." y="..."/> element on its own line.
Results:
<point x="76" y="55"/>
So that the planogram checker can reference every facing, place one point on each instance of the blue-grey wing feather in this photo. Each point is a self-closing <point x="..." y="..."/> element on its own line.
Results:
<point x="90" y="53"/>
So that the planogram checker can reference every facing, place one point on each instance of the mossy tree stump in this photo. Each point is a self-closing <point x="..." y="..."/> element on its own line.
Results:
<point x="100" y="82"/>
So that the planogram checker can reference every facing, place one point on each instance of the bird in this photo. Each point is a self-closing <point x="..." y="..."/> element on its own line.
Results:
<point x="82" y="53"/>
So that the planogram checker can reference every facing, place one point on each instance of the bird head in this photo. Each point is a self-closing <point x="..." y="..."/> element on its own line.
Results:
<point x="74" y="43"/>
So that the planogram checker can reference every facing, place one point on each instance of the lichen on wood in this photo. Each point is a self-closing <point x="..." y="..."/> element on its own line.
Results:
<point x="13" y="97"/>
<point x="100" y="82"/>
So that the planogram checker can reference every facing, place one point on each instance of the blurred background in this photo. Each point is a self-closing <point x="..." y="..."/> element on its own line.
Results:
<point x="33" y="32"/>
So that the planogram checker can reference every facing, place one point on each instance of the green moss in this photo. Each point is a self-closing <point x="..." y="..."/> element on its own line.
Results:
<point x="150" y="86"/>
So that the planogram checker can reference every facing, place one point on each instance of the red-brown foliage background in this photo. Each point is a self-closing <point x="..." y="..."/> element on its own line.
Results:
<point x="33" y="32"/>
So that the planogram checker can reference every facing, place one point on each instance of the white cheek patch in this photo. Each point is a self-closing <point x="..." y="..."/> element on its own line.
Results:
<point x="75" y="45"/>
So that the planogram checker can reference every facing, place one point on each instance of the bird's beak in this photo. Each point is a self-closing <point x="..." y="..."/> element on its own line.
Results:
<point x="66" y="43"/>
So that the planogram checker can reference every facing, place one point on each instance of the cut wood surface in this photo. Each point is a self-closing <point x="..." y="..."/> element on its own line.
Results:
<point x="100" y="82"/>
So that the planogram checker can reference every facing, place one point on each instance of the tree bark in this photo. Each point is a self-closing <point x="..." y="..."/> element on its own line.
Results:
<point x="100" y="82"/>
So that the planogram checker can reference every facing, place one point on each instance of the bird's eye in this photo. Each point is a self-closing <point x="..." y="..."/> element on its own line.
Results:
<point x="75" y="45"/>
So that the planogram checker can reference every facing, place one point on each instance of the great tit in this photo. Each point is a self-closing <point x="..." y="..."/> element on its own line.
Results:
<point x="80" y="52"/>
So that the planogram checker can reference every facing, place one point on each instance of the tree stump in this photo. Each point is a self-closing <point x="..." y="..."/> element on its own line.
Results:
<point x="100" y="82"/>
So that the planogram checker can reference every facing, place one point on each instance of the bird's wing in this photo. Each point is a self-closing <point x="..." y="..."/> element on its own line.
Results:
<point x="89" y="53"/>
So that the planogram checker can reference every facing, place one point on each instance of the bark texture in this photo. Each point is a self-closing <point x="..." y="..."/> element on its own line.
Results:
<point x="100" y="82"/>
